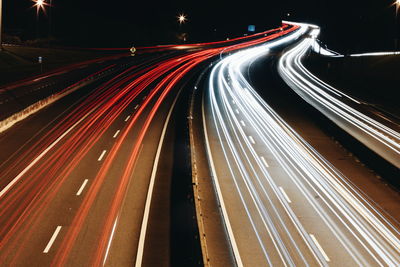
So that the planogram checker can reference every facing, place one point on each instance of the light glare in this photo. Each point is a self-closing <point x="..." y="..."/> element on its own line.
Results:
<point x="182" y="18"/>
<point x="40" y="5"/>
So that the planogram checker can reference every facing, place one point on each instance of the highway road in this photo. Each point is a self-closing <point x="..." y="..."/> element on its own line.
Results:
<point x="283" y="204"/>
<point x="50" y="176"/>
<point x="77" y="177"/>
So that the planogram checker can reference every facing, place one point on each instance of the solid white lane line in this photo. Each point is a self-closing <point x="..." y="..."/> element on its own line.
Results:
<point x="143" y="229"/>
<point x="136" y="106"/>
<point x="242" y="123"/>
<point x="228" y="225"/>
<point x="320" y="248"/>
<point x="82" y="187"/>
<point x="252" y="140"/>
<point x="127" y="118"/>
<point x="52" y="239"/>
<point x="116" y="134"/>
<point x="102" y="155"/>
<point x="110" y="240"/>
<point x="264" y="161"/>
<point x="285" y="195"/>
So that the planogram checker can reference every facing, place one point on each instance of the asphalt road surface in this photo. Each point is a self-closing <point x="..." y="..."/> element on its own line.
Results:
<point x="102" y="176"/>
<point x="77" y="177"/>
<point x="283" y="203"/>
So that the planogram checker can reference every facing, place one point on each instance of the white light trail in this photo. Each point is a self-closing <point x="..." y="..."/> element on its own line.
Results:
<point x="341" y="108"/>
<point x="353" y="226"/>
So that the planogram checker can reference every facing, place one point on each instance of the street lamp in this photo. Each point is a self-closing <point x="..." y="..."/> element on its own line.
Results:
<point x="1" y="25"/>
<point x="182" y="18"/>
<point x="397" y="4"/>
<point x="40" y="5"/>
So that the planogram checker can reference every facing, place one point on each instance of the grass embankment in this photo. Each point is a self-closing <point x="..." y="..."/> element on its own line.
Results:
<point x="373" y="79"/>
<point x="18" y="62"/>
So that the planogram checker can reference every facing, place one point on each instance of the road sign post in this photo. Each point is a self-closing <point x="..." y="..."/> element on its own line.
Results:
<point x="40" y="61"/>
<point x="1" y="25"/>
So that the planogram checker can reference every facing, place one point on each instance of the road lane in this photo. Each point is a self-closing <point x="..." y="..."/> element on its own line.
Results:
<point x="44" y="197"/>
<point x="79" y="172"/>
<point x="326" y="219"/>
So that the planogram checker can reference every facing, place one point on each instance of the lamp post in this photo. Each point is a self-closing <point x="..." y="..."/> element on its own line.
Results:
<point x="39" y="5"/>
<point x="182" y="19"/>
<point x="397" y="4"/>
<point x="1" y="25"/>
<point x="50" y="17"/>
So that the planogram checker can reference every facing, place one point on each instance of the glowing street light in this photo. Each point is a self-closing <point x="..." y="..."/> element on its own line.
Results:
<point x="397" y="4"/>
<point x="40" y="5"/>
<point x="182" y="18"/>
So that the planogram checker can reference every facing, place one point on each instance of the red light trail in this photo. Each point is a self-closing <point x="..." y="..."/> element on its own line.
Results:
<point x="58" y="153"/>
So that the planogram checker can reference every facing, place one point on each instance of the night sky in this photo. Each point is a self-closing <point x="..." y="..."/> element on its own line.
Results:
<point x="355" y="26"/>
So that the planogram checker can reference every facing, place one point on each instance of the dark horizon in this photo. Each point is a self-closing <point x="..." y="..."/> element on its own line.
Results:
<point x="346" y="27"/>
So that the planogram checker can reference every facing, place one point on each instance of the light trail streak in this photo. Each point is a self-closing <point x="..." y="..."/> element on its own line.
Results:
<point x="92" y="118"/>
<point x="342" y="109"/>
<point x="186" y="64"/>
<point x="350" y="228"/>
<point x="49" y="175"/>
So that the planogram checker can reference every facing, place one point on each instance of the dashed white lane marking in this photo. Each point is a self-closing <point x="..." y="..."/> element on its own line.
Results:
<point x="102" y="155"/>
<point x="237" y="111"/>
<point x="16" y="179"/>
<point x="285" y="195"/>
<point x="242" y="123"/>
<point x="52" y="239"/>
<point x="252" y="140"/>
<point x="82" y="187"/>
<point x="143" y="229"/>
<point x="127" y="118"/>
<point x="319" y="247"/>
<point x="136" y="106"/>
<point x="264" y="161"/>
<point x="116" y="134"/>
